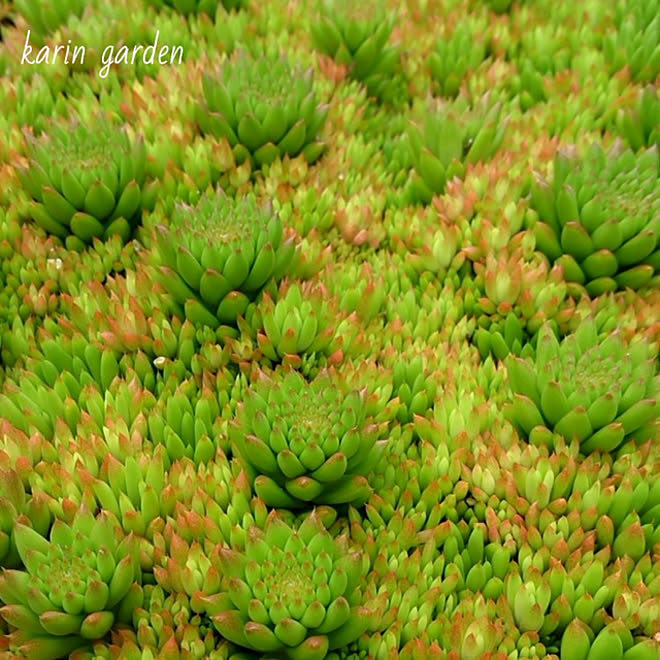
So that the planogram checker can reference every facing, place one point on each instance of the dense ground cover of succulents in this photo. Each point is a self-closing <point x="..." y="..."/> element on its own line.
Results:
<point x="338" y="339"/>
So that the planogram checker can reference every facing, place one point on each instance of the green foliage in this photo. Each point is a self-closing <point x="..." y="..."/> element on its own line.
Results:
<point x="447" y="140"/>
<point x="46" y="16"/>
<point x="358" y="36"/>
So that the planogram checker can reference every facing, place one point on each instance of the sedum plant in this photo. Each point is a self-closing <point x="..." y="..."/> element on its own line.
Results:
<point x="307" y="442"/>
<point x="292" y="593"/>
<point x="218" y="255"/>
<point x="357" y="35"/>
<point x="209" y="7"/>
<point x="595" y="389"/>
<point x="600" y="217"/>
<point x="85" y="181"/>
<point x="74" y="586"/>
<point x="265" y="107"/>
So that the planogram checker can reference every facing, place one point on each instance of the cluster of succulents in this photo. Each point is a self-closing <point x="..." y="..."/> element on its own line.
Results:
<point x="46" y="17"/>
<point x="445" y="142"/>
<point x="349" y="353"/>
<point x="359" y="37"/>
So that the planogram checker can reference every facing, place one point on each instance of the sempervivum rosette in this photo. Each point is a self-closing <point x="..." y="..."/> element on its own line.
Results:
<point x="265" y="107"/>
<point x="600" y="217"/>
<point x="595" y="389"/>
<point x="218" y="255"/>
<point x="73" y="588"/>
<point x="85" y="181"/>
<point x="306" y="441"/>
<point x="292" y="593"/>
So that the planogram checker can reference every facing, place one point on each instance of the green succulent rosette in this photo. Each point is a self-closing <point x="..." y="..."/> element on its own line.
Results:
<point x="74" y="586"/>
<point x="307" y="442"/>
<point x="293" y="593"/>
<point x="217" y="256"/>
<point x="265" y="107"/>
<point x="209" y="7"/>
<point x="596" y="389"/>
<point x="600" y="217"/>
<point x="86" y="181"/>
<point x="46" y="16"/>
<point x="357" y="35"/>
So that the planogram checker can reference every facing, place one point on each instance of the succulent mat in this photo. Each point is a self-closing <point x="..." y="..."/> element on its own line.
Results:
<point x="337" y="338"/>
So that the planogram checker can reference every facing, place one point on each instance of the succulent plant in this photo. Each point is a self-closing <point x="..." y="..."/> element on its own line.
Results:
<point x="299" y="323"/>
<point x="218" y="255"/>
<point x="445" y="143"/>
<point x="74" y="586"/>
<point x="600" y="217"/>
<point x="357" y="36"/>
<point x="457" y="54"/>
<point x="293" y="593"/>
<point x="45" y="17"/>
<point x="307" y="442"/>
<point x="595" y="389"/>
<point x="639" y="125"/>
<point x="85" y="182"/>
<point x="209" y="7"/>
<point x="265" y="107"/>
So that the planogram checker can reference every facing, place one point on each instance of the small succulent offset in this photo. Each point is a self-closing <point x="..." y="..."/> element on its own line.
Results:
<point x="293" y="593"/>
<point x="462" y="51"/>
<point x="85" y="181"/>
<point x="73" y="588"/>
<point x="357" y="35"/>
<point x="600" y="217"/>
<point x="265" y="107"/>
<point x="595" y="389"/>
<point x="218" y="255"/>
<point x="209" y="7"/>
<point x="307" y="442"/>
<point x="447" y="141"/>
